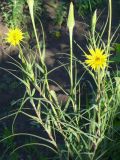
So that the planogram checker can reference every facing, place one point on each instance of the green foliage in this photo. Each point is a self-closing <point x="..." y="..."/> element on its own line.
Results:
<point x="61" y="13"/>
<point x="38" y="8"/>
<point x="116" y="56"/>
<point x="35" y="151"/>
<point x="9" y="146"/>
<point x="15" y="12"/>
<point x="12" y="12"/>
<point x="6" y="9"/>
<point x="7" y="133"/>
<point x="85" y="6"/>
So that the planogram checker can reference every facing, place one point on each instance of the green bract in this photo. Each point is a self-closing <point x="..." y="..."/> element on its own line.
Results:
<point x="94" y="19"/>
<point x="30" y="4"/>
<point x="71" y="20"/>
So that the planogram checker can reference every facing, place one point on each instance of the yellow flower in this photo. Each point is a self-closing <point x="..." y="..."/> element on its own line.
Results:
<point x="96" y="59"/>
<point x="14" y="36"/>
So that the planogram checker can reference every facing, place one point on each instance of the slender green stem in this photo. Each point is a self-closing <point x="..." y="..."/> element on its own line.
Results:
<point x="37" y="40"/>
<point x="31" y="4"/>
<point x="110" y="22"/>
<point x="71" y="58"/>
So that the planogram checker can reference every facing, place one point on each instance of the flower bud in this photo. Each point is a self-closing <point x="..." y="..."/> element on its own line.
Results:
<point x="71" y="20"/>
<point x="94" y="20"/>
<point x="30" y="4"/>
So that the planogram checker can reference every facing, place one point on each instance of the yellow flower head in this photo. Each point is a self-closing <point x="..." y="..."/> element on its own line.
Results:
<point x="14" y="36"/>
<point x="96" y="59"/>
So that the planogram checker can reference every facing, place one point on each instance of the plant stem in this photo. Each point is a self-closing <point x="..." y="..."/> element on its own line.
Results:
<point x="71" y="58"/>
<point x="110" y="21"/>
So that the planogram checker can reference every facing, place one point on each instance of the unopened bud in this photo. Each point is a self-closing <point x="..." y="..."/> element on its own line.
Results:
<point x="71" y="20"/>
